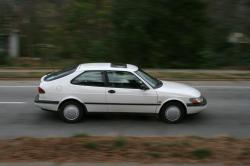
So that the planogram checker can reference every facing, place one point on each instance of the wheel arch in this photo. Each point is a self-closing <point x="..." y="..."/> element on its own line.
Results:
<point x="173" y="100"/>
<point x="72" y="99"/>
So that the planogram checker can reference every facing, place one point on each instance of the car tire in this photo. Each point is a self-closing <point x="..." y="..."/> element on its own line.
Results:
<point x="172" y="112"/>
<point x="72" y="112"/>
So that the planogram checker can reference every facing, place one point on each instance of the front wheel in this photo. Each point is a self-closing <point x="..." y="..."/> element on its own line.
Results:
<point x="172" y="112"/>
<point x="71" y="112"/>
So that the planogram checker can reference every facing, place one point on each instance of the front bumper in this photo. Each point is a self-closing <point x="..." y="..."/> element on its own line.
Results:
<point x="196" y="108"/>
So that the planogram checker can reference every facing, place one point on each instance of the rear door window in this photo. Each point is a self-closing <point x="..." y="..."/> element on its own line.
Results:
<point x="90" y="78"/>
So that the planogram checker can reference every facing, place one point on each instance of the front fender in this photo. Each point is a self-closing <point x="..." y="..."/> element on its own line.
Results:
<point x="169" y="100"/>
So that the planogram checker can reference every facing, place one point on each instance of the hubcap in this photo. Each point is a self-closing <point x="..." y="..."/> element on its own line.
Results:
<point x="71" y="112"/>
<point x="172" y="113"/>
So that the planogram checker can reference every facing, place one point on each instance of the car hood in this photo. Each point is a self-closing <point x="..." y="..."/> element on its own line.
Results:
<point x="179" y="89"/>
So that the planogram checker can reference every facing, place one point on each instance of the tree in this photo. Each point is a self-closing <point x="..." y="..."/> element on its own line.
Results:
<point x="159" y="33"/>
<point x="87" y="27"/>
<point x="6" y="19"/>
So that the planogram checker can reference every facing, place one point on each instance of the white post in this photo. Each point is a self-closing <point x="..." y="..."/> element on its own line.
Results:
<point x="13" y="48"/>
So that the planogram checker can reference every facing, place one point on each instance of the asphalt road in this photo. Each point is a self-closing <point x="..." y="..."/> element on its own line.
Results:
<point x="228" y="114"/>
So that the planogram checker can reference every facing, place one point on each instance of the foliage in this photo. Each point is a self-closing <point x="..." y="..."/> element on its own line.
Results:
<point x="202" y="153"/>
<point x="154" y="154"/>
<point x="120" y="142"/>
<point x="91" y="145"/>
<point x="86" y="24"/>
<point x="81" y="135"/>
<point x="149" y="33"/>
<point x="4" y="59"/>
<point x="160" y="33"/>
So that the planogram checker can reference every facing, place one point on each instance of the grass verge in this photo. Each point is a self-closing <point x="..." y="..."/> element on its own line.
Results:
<point x="120" y="142"/>
<point x="91" y="145"/>
<point x="202" y="153"/>
<point x="81" y="135"/>
<point x="82" y="148"/>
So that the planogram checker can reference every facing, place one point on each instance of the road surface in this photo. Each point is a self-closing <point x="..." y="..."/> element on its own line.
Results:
<point x="228" y="114"/>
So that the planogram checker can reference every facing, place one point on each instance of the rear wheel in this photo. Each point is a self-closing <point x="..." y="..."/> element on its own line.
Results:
<point x="172" y="112"/>
<point x="71" y="112"/>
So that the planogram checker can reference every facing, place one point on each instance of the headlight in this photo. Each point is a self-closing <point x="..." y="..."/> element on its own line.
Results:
<point x="197" y="100"/>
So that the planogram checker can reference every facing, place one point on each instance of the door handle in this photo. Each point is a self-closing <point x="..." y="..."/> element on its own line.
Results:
<point x="111" y="91"/>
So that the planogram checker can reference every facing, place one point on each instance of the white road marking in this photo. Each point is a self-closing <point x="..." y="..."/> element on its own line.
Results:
<point x="14" y="102"/>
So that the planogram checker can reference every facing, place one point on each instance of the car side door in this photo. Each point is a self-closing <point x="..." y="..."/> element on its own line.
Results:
<point x="124" y="93"/>
<point x="89" y="86"/>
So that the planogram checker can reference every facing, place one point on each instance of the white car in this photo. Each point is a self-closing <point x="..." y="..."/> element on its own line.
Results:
<point x="107" y="87"/>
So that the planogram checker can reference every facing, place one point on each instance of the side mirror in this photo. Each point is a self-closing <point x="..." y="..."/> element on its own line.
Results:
<point x="143" y="86"/>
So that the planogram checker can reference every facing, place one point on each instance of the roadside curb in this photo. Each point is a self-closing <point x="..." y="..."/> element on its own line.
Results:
<point x="103" y="164"/>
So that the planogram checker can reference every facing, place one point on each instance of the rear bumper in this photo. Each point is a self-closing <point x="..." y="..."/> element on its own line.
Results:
<point x="46" y="104"/>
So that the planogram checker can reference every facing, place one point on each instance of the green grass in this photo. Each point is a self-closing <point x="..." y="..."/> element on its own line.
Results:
<point x="228" y="138"/>
<point x="154" y="154"/>
<point x="184" y="143"/>
<point x="195" y="137"/>
<point x="91" y="145"/>
<point x="178" y="155"/>
<point x="178" y="144"/>
<point x="120" y="142"/>
<point x="246" y="151"/>
<point x="82" y="135"/>
<point x="202" y="153"/>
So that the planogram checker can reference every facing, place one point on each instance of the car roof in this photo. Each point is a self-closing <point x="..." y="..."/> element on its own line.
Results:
<point x="106" y="66"/>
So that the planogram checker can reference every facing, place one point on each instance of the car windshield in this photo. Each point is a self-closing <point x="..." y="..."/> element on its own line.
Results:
<point x="155" y="83"/>
<point x="60" y="74"/>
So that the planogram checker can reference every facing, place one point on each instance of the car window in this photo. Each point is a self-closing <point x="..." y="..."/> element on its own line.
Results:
<point x="60" y="74"/>
<point x="155" y="83"/>
<point x="123" y="79"/>
<point x="89" y="78"/>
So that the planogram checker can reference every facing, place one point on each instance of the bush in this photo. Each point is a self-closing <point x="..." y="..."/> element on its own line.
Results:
<point x="154" y="154"/>
<point x="81" y="135"/>
<point x="202" y="153"/>
<point x="91" y="145"/>
<point x="4" y="59"/>
<point x="119" y="142"/>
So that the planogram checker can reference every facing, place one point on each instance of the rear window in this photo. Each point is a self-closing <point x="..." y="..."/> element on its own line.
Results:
<point x="60" y="74"/>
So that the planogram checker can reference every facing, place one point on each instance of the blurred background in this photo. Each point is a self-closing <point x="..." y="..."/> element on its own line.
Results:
<point x="150" y="33"/>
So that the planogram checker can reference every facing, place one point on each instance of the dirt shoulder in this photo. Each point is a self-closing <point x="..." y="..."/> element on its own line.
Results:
<point x="83" y="148"/>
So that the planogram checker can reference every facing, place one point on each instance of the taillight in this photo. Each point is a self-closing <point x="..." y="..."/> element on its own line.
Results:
<point x="40" y="90"/>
